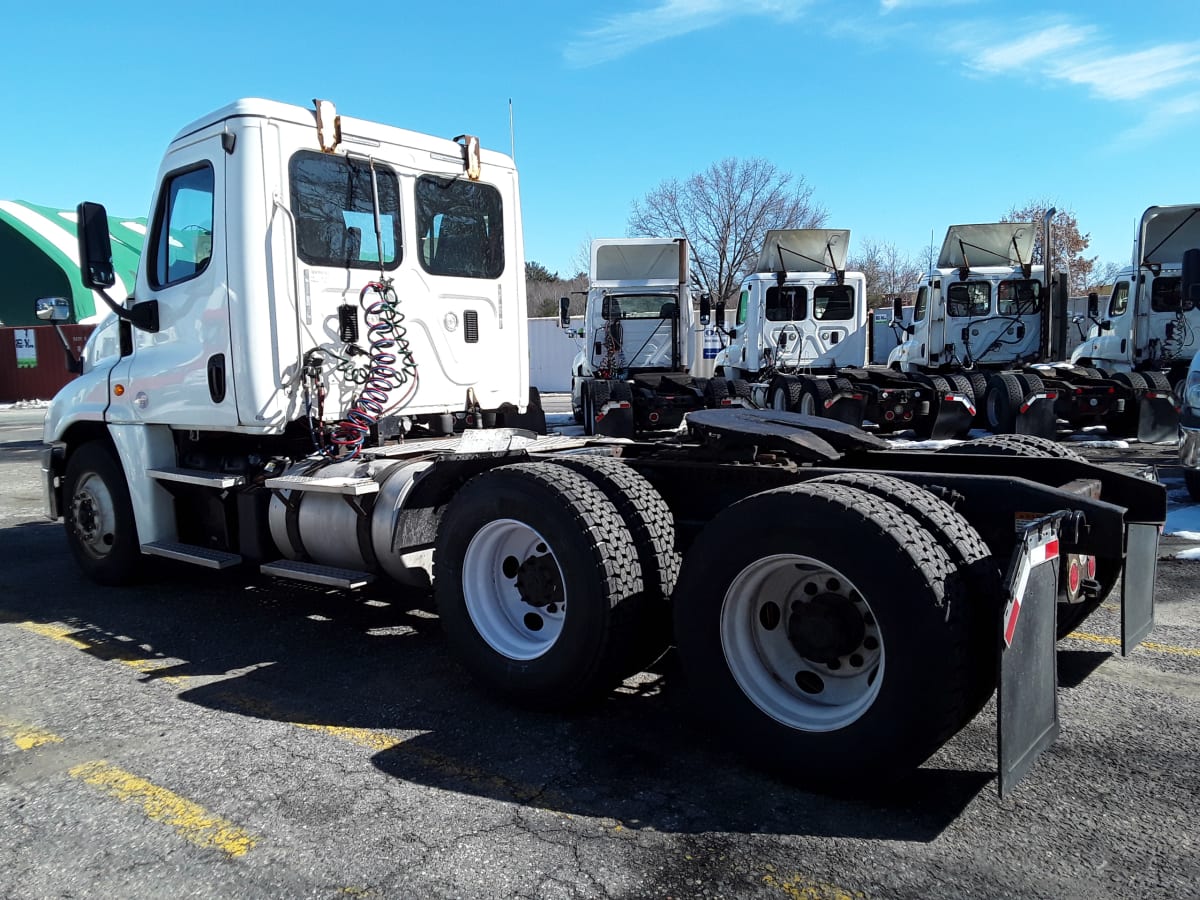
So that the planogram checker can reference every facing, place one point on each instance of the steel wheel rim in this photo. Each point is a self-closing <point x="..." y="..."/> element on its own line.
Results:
<point x="779" y="401"/>
<point x="769" y="667"/>
<point x="498" y="559"/>
<point x="808" y="406"/>
<point x="93" y="516"/>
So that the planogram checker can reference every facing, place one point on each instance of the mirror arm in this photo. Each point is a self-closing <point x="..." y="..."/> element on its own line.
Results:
<point x="74" y="363"/>
<point x="143" y="316"/>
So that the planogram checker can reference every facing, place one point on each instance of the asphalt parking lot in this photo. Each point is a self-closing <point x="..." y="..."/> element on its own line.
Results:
<point x="232" y="736"/>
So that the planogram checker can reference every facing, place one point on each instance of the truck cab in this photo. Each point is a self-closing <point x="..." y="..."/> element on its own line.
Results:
<point x="1147" y="323"/>
<point x="799" y="309"/>
<point x="267" y="224"/>
<point x="981" y="306"/>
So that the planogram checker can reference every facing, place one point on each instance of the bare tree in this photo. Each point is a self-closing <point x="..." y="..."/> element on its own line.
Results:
<point x="543" y="289"/>
<point x="725" y="212"/>
<point x="1104" y="275"/>
<point x="889" y="272"/>
<point x="1069" y="243"/>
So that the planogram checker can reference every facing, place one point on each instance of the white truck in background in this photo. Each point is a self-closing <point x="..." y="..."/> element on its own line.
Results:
<point x="800" y="341"/>
<point x="308" y="275"/>
<point x="1145" y="338"/>
<point x="633" y="372"/>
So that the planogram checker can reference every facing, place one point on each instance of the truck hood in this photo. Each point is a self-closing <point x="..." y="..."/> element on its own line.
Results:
<point x="1166" y="232"/>
<point x="804" y="250"/>
<point x="993" y="244"/>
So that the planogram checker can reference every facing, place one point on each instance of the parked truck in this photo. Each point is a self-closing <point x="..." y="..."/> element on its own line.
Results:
<point x="800" y="340"/>
<point x="1146" y="337"/>
<point x="233" y="425"/>
<point x="633" y="372"/>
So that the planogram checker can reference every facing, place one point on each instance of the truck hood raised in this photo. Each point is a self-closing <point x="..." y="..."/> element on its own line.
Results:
<point x="993" y="244"/>
<point x="1166" y="232"/>
<point x="804" y="250"/>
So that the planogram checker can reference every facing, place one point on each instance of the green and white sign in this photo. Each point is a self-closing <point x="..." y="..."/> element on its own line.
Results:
<point x="26" y="348"/>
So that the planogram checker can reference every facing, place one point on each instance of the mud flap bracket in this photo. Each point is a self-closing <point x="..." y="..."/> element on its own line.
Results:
<point x="952" y="416"/>
<point x="1027" y="698"/>
<point x="1036" y="416"/>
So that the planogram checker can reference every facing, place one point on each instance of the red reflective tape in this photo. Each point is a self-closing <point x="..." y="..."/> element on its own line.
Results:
<point x="1051" y="550"/>
<point x="1010" y="626"/>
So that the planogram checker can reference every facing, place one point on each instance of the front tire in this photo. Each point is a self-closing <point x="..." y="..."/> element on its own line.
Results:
<point x="98" y="515"/>
<point x="537" y="581"/>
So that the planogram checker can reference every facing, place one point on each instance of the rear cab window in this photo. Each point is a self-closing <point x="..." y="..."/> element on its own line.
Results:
<point x="333" y="207"/>
<point x="460" y="227"/>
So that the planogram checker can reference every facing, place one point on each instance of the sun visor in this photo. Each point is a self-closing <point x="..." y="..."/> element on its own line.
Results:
<point x="1168" y="231"/>
<point x="804" y="250"/>
<point x="995" y="244"/>
<point x="642" y="260"/>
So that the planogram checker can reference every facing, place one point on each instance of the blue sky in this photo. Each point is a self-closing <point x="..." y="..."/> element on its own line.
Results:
<point x="905" y="116"/>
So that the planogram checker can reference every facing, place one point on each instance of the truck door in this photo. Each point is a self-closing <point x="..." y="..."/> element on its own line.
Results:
<point x="181" y="374"/>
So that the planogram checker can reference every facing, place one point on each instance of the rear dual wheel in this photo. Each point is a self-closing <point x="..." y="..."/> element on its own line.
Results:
<point x="818" y="665"/>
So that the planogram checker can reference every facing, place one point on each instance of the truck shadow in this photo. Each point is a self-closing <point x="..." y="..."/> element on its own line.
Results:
<point x="375" y="670"/>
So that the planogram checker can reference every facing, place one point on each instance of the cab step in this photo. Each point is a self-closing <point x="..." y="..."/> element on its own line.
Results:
<point x="219" y="480"/>
<point x="192" y="553"/>
<point x="330" y="576"/>
<point x="353" y="487"/>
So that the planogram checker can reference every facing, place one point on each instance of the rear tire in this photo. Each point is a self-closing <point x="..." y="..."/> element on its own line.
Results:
<point x="98" y="515"/>
<point x="536" y="582"/>
<point x="1004" y="398"/>
<point x="859" y="677"/>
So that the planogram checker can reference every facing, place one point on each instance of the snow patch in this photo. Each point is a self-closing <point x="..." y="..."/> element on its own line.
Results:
<point x="1097" y="445"/>
<point x="26" y="404"/>
<point x="1192" y="553"/>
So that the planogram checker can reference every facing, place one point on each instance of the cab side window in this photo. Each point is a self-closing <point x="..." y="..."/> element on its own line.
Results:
<point x="742" y="307"/>
<point x="922" y="304"/>
<point x="183" y="227"/>
<point x="1119" y="302"/>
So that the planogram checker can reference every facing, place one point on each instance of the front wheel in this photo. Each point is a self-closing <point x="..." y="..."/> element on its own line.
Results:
<point x="98" y="515"/>
<point x="819" y="667"/>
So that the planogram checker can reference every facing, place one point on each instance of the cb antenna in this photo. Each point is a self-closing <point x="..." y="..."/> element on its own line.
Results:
<point x="512" y="143"/>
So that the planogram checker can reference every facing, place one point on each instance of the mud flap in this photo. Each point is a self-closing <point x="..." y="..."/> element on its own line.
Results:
<point x="1027" y="699"/>
<point x="1158" y="420"/>
<point x="1137" y="585"/>
<point x="1036" y="416"/>
<point x="848" y="408"/>
<point x="615" y="420"/>
<point x="952" y="416"/>
<point x="533" y="419"/>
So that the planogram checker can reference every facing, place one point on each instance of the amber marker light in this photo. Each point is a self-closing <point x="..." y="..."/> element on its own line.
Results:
<point x="119" y="389"/>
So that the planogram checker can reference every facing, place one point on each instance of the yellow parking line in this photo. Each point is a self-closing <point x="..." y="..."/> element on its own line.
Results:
<point x="193" y="822"/>
<point x="27" y="737"/>
<point x="104" y="650"/>
<point x="1149" y="645"/>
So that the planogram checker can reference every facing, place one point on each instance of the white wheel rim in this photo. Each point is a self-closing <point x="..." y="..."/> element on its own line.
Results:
<point x="500" y="561"/>
<point x="93" y="516"/>
<point x="779" y="401"/>
<point x="808" y="406"/>
<point x="764" y="601"/>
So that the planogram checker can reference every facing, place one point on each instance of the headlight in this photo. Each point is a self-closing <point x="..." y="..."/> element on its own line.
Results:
<point x="1191" y="392"/>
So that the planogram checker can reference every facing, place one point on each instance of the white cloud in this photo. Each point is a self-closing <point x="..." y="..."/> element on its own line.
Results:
<point x="624" y="33"/>
<point x="1068" y="53"/>
<point x="887" y="6"/>
<point x="1020" y="53"/>
<point x="1158" y="121"/>
<point x="1131" y="76"/>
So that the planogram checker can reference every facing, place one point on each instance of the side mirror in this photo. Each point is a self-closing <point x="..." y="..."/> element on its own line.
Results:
<point x="95" y="247"/>
<point x="564" y="312"/>
<point x="1189" y="283"/>
<point x="1093" y="305"/>
<point x="719" y="313"/>
<point x="705" y="308"/>
<point x="897" y="309"/>
<point x="53" y="309"/>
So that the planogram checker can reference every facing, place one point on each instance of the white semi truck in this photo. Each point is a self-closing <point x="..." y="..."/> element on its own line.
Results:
<point x="309" y="276"/>
<point x="633" y="372"/>
<point x="800" y="340"/>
